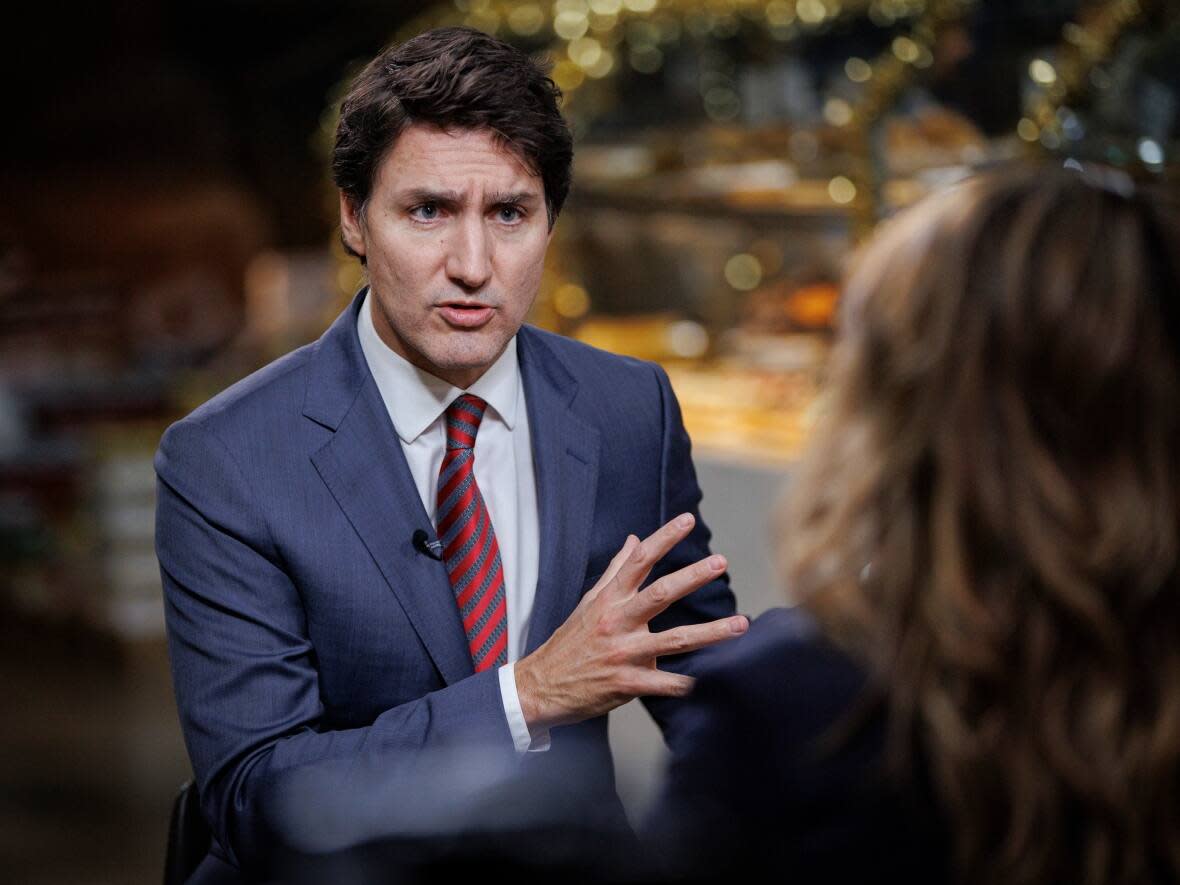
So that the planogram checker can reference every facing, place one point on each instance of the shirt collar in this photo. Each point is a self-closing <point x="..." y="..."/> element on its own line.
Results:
<point x="415" y="398"/>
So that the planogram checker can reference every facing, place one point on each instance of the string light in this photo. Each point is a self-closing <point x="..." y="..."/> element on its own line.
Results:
<point x="837" y="112"/>
<point x="858" y="70"/>
<point x="743" y="271"/>
<point x="1083" y="50"/>
<point x="842" y="190"/>
<point x="571" y="301"/>
<point x="888" y="76"/>
<point x="1042" y="72"/>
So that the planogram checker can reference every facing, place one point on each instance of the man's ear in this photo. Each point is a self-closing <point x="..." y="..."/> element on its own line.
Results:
<point x="351" y="227"/>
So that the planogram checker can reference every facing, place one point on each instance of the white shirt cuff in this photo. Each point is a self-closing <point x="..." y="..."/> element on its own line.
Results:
<point x="525" y="743"/>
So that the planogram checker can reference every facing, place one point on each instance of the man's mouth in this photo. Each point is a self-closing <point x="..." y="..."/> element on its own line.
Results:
<point x="465" y="315"/>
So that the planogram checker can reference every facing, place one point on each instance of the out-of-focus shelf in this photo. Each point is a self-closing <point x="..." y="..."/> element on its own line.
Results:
<point x="773" y="208"/>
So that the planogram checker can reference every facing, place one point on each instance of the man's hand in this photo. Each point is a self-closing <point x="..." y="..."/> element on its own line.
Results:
<point x="604" y="654"/>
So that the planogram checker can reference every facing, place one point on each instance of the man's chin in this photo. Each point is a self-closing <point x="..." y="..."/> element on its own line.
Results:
<point x="468" y="363"/>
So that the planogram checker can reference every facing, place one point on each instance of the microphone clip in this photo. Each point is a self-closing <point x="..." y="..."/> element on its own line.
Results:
<point x="424" y="545"/>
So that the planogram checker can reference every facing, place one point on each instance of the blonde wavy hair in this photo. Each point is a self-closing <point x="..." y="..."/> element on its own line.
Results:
<point x="989" y="517"/>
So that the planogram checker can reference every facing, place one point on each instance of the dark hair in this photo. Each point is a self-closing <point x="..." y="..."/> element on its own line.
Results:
<point x="457" y="78"/>
<point x="990" y="517"/>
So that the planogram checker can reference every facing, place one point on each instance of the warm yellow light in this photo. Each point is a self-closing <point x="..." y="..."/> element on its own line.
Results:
<point x="641" y="6"/>
<point x="603" y="24"/>
<point x="603" y="65"/>
<point x="743" y="271"/>
<point x="571" y="301"/>
<point x="837" y="112"/>
<point x="606" y="7"/>
<point x="1042" y="72"/>
<point x="526" y="19"/>
<point x="841" y="190"/>
<point x="906" y="49"/>
<point x="780" y="13"/>
<point x="570" y="24"/>
<point x="811" y="12"/>
<point x="567" y="75"/>
<point x="687" y="339"/>
<point x="1028" y="130"/>
<point x="585" y="52"/>
<point x="858" y="70"/>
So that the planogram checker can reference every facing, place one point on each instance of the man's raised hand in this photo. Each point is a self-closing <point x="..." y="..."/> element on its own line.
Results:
<point x="604" y="654"/>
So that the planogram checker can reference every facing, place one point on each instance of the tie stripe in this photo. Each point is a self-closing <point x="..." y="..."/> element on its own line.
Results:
<point x="470" y="552"/>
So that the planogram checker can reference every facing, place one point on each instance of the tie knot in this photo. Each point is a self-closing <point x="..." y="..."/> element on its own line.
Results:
<point x="463" y="417"/>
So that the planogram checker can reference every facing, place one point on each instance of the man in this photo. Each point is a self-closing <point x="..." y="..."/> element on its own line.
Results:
<point x="404" y="538"/>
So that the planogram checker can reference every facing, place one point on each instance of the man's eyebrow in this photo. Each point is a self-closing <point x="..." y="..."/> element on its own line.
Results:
<point x="508" y="197"/>
<point x="415" y="196"/>
<point x="425" y="195"/>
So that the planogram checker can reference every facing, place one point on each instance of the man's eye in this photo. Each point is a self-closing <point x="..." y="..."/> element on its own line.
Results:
<point x="425" y="212"/>
<point x="509" y="214"/>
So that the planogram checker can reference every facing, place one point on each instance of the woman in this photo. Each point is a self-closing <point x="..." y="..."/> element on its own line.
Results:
<point x="981" y="683"/>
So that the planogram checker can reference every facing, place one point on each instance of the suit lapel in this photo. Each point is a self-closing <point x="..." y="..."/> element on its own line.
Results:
<point x="565" y="455"/>
<point x="363" y="466"/>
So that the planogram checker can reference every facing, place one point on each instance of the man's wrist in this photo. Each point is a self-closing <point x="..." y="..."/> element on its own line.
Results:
<point x="530" y="694"/>
<point x="524" y="738"/>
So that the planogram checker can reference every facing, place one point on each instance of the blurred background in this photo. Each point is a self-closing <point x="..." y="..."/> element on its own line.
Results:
<point x="167" y="225"/>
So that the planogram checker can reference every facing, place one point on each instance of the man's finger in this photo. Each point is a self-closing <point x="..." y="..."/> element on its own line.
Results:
<point x="612" y="569"/>
<point x="680" y="640"/>
<point x="658" y="683"/>
<point x="619" y="558"/>
<point x="656" y="597"/>
<point x="652" y="549"/>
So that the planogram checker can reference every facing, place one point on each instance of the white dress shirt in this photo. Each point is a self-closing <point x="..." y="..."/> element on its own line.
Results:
<point x="417" y="402"/>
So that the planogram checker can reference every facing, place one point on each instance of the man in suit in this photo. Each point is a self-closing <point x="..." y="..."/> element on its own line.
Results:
<point x="401" y="543"/>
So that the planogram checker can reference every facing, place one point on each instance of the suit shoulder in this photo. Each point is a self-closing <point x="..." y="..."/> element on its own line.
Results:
<point x="774" y="636"/>
<point x="276" y="385"/>
<point x="581" y="357"/>
<point x="782" y="660"/>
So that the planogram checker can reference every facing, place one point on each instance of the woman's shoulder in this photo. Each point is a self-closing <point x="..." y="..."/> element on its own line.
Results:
<point x="784" y="660"/>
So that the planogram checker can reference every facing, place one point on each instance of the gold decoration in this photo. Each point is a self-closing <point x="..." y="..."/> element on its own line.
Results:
<point x="888" y="76"/>
<point x="1083" y="49"/>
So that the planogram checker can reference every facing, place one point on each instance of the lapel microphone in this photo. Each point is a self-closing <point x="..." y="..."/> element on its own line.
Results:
<point x="423" y="544"/>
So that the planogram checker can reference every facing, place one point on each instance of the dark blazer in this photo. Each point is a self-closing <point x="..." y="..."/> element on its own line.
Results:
<point x="307" y="632"/>
<point x="761" y="784"/>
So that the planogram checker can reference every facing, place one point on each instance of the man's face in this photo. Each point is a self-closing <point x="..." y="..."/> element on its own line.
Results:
<point x="454" y="238"/>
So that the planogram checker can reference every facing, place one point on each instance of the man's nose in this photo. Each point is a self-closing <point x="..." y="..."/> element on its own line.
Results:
<point x="469" y="254"/>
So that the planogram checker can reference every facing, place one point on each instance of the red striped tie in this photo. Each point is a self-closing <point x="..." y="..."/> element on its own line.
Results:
<point x="470" y="551"/>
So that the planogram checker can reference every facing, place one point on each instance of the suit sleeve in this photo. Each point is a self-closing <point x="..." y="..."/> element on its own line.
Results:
<point x="680" y="493"/>
<point x="245" y="669"/>
<point x="702" y="821"/>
